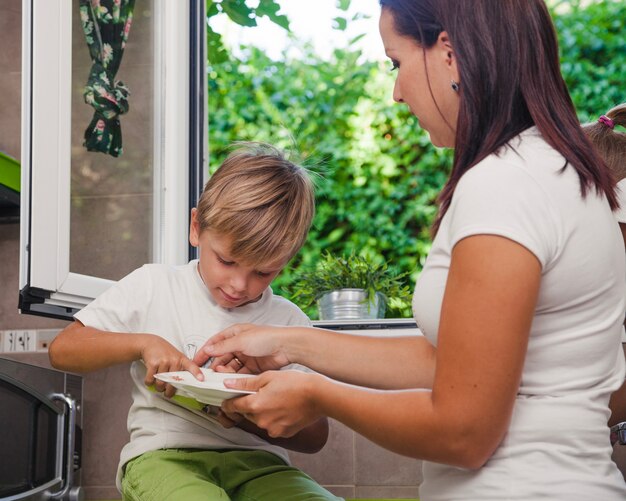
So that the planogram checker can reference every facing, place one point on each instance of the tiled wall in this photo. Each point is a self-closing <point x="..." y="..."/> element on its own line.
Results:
<point x="352" y="466"/>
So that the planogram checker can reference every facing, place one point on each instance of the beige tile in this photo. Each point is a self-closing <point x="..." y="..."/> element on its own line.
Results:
<point x="390" y="492"/>
<point x="334" y="464"/>
<point x="106" y="400"/>
<point x="93" y="493"/>
<point x="10" y="36"/>
<point x="377" y="466"/>
<point x="343" y="491"/>
<point x="110" y="236"/>
<point x="11" y="6"/>
<point x="10" y="318"/>
<point x="10" y="116"/>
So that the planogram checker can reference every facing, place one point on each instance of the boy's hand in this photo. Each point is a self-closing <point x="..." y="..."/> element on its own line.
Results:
<point x="229" y="420"/>
<point x="244" y="348"/>
<point x="160" y="356"/>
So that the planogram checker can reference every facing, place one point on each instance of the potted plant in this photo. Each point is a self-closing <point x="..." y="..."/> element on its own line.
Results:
<point x="353" y="287"/>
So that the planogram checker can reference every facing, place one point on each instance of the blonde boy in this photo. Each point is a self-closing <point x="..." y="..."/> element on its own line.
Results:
<point x="252" y="218"/>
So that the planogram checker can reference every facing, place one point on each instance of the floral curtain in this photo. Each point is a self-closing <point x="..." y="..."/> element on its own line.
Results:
<point x="106" y="24"/>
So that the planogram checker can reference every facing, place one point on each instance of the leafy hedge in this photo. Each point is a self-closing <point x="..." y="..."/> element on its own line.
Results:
<point x="378" y="173"/>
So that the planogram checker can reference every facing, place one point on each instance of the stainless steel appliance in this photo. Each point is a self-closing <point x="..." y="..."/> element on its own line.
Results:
<point x="40" y="430"/>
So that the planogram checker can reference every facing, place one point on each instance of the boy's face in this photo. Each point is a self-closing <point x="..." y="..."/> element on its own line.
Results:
<point x="230" y="282"/>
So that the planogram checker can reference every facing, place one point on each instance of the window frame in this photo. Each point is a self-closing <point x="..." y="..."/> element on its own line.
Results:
<point x="47" y="286"/>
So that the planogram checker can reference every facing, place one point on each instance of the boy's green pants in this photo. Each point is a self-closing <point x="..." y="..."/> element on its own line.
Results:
<point x="237" y="475"/>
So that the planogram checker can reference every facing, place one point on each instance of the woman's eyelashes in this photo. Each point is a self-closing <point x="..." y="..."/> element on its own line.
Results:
<point x="394" y="65"/>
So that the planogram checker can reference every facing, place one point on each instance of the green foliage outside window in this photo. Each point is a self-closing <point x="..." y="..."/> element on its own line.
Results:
<point x="379" y="176"/>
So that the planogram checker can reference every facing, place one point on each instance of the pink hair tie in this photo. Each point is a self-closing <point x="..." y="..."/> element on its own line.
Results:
<point x="607" y="121"/>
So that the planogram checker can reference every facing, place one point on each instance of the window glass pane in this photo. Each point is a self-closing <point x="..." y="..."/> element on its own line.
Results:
<point x="112" y="198"/>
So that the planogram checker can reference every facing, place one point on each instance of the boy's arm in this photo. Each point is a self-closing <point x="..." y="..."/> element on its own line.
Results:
<point x="79" y="348"/>
<point x="308" y="440"/>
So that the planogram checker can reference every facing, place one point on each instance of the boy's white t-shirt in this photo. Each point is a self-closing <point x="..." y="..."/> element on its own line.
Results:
<point x="173" y="303"/>
<point x="557" y="445"/>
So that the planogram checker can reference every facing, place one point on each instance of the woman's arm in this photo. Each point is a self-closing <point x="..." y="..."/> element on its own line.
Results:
<point x="79" y="348"/>
<point x="486" y="316"/>
<point x="362" y="360"/>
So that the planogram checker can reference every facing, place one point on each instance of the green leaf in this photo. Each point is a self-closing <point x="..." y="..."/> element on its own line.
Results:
<point x="211" y="8"/>
<point x="358" y="16"/>
<point x="270" y="9"/>
<point x="340" y="23"/>
<point x="216" y="52"/>
<point x="343" y="4"/>
<point x="354" y="40"/>
<point x="239" y="12"/>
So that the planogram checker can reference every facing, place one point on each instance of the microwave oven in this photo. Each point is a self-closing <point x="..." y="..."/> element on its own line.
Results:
<point x="40" y="430"/>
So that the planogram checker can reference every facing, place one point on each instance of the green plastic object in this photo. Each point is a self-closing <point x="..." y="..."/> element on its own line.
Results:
<point x="9" y="172"/>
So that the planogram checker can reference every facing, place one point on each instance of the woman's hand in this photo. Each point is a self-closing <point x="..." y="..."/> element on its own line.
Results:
<point x="284" y="402"/>
<point x="245" y="348"/>
<point x="160" y="356"/>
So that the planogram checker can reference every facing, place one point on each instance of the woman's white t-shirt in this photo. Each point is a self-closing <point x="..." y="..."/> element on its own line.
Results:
<point x="557" y="446"/>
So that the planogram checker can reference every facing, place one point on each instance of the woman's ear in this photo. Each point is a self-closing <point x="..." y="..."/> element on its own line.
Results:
<point x="449" y="56"/>
<point x="194" y="228"/>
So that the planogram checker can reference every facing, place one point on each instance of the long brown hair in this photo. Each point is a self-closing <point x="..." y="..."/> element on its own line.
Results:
<point x="510" y="79"/>
<point x="610" y="142"/>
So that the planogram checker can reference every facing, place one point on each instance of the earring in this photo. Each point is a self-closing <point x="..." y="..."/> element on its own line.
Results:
<point x="454" y="85"/>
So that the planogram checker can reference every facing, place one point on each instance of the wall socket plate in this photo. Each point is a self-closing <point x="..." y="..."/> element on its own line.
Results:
<point x="44" y="338"/>
<point x="13" y="340"/>
<point x="19" y="340"/>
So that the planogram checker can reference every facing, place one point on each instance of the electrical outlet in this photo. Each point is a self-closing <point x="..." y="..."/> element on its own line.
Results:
<point x="44" y="338"/>
<point x="8" y="341"/>
<point x="24" y="340"/>
<point x="19" y="340"/>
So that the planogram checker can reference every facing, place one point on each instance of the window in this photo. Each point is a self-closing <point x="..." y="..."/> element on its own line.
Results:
<point x="89" y="218"/>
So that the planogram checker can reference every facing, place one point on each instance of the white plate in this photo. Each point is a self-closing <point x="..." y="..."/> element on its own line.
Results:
<point x="210" y="391"/>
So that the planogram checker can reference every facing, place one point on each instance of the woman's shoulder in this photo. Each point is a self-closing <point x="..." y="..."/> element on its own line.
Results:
<point x="527" y="163"/>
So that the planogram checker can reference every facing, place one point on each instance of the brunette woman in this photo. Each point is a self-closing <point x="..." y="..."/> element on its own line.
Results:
<point x="521" y="300"/>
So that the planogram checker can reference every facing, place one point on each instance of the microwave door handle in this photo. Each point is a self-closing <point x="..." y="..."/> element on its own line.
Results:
<point x="69" y="442"/>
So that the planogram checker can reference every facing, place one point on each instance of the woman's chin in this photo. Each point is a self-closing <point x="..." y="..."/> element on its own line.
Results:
<point x="439" y="142"/>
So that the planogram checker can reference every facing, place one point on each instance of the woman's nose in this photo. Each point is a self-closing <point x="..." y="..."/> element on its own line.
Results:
<point x="397" y="97"/>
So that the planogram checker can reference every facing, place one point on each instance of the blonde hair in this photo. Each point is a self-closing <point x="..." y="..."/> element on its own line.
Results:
<point x="261" y="200"/>
<point x="611" y="143"/>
